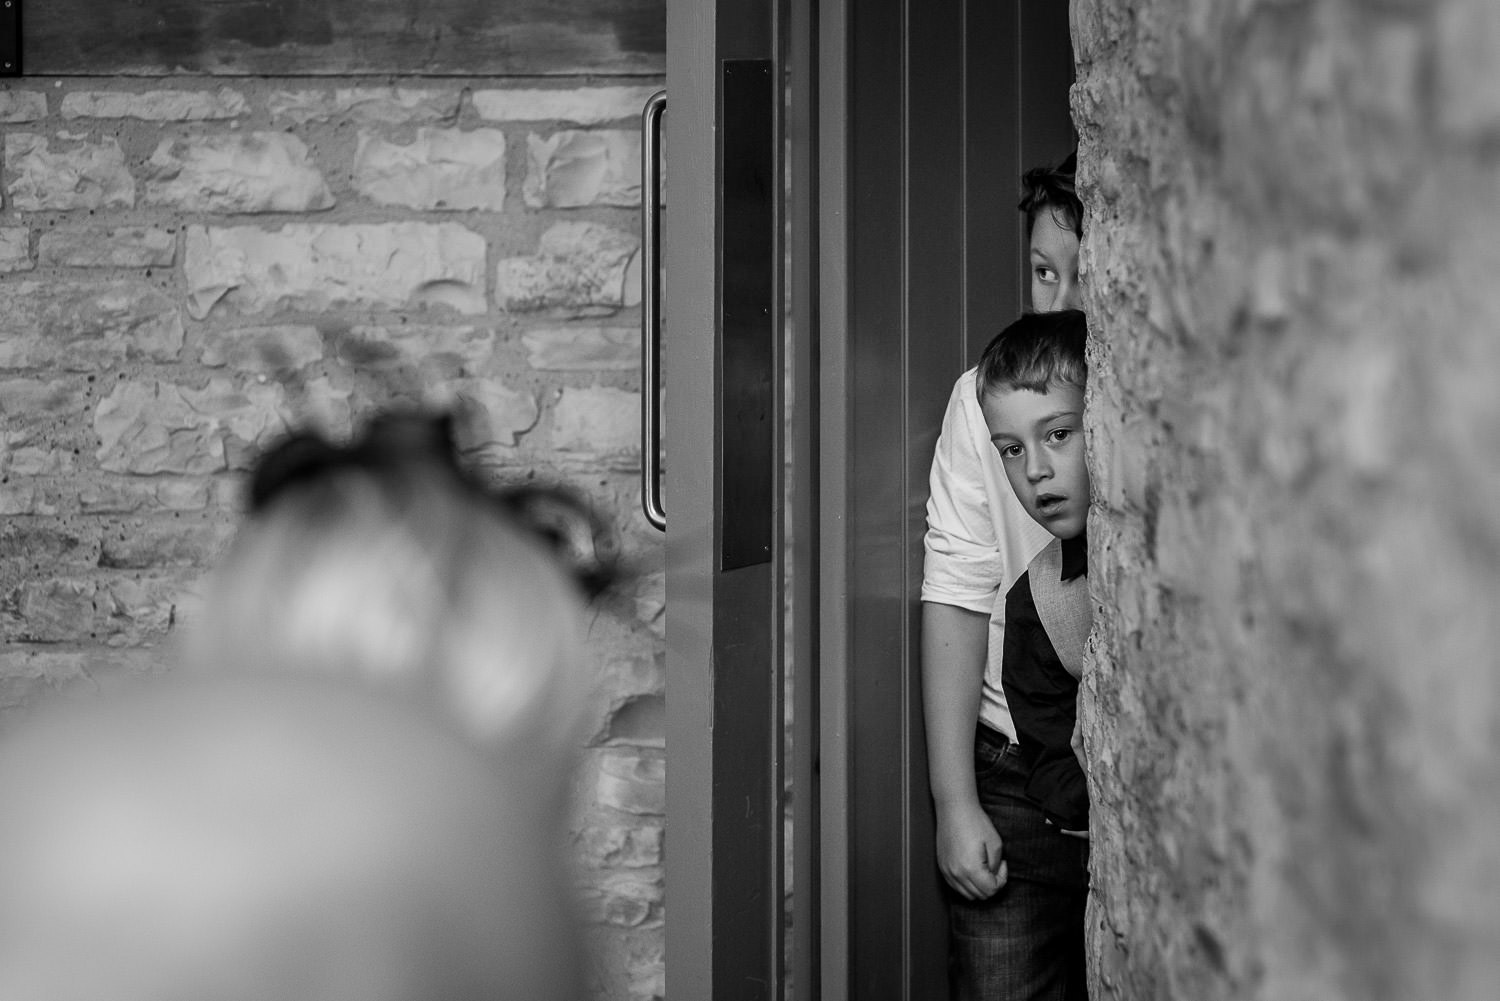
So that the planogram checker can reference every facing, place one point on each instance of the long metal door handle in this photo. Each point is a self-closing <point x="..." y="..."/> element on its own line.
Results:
<point x="651" y="310"/>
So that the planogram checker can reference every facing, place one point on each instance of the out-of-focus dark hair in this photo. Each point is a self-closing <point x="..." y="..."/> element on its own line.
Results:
<point x="401" y="449"/>
<point x="1051" y="190"/>
<point x="1037" y="352"/>
<point x="386" y="559"/>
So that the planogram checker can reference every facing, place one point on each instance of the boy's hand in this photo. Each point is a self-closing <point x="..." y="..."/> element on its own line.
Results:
<point x="1077" y="743"/>
<point x="968" y="852"/>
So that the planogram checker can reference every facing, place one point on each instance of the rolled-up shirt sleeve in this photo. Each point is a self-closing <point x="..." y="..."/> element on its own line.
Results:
<point x="962" y="563"/>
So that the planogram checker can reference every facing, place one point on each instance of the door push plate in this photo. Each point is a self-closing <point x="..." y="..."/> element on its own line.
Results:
<point x="10" y="37"/>
<point x="747" y="312"/>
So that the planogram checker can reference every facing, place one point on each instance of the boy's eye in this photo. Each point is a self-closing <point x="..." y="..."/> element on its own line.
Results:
<point x="1010" y="451"/>
<point x="1045" y="274"/>
<point x="1061" y="434"/>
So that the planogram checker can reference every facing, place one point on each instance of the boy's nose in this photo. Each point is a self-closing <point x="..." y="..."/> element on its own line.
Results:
<point x="1036" y="471"/>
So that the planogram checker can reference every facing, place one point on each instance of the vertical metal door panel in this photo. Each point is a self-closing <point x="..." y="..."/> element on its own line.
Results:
<point x="743" y="803"/>
<point x="723" y="616"/>
<point x="831" y="441"/>
<point x="877" y="592"/>
<point x="995" y="265"/>
<point x="938" y="202"/>
<point x="691" y="551"/>
<point x="1019" y="69"/>
<point x="799" y="31"/>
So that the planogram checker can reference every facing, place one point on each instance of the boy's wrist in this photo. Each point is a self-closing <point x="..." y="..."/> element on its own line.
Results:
<point x="955" y="799"/>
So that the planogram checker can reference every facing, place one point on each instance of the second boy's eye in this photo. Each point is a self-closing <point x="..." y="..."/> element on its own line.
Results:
<point x="1061" y="434"/>
<point x="1011" y="451"/>
<point x="1045" y="274"/>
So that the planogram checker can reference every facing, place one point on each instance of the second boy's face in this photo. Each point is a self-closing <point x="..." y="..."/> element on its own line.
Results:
<point x="1040" y="440"/>
<point x="1054" y="264"/>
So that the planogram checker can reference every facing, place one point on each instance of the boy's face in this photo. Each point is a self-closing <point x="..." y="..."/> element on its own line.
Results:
<point x="1040" y="440"/>
<point x="1054" y="263"/>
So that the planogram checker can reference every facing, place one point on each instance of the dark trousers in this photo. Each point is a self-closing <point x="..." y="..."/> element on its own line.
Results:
<point x="1026" y="942"/>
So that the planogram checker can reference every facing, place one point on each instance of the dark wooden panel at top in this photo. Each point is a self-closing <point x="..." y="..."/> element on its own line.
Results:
<point x="332" y="37"/>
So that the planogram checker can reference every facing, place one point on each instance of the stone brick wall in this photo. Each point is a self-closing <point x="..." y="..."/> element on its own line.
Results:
<point x="189" y="266"/>
<point x="1294" y="703"/>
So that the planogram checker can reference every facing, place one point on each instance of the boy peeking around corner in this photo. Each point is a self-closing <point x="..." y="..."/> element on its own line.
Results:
<point x="1030" y="383"/>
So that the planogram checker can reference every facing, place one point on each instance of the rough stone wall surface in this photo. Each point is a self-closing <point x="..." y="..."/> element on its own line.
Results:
<point x="1293" y="709"/>
<point x="188" y="268"/>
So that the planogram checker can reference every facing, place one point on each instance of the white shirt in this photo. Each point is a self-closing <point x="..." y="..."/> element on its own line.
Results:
<point x="979" y="539"/>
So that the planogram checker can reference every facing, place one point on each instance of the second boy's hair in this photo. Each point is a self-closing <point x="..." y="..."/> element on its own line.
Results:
<point x="1037" y="352"/>
<point x="1050" y="189"/>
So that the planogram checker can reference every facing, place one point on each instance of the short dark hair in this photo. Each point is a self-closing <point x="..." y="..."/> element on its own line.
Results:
<point x="1037" y="352"/>
<point x="1051" y="189"/>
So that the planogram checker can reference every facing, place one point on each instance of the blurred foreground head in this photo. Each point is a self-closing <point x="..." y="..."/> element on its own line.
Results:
<point x="271" y="839"/>
<point x="383" y="559"/>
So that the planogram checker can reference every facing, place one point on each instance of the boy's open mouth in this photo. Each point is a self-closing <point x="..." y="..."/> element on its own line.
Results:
<point x="1048" y="503"/>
